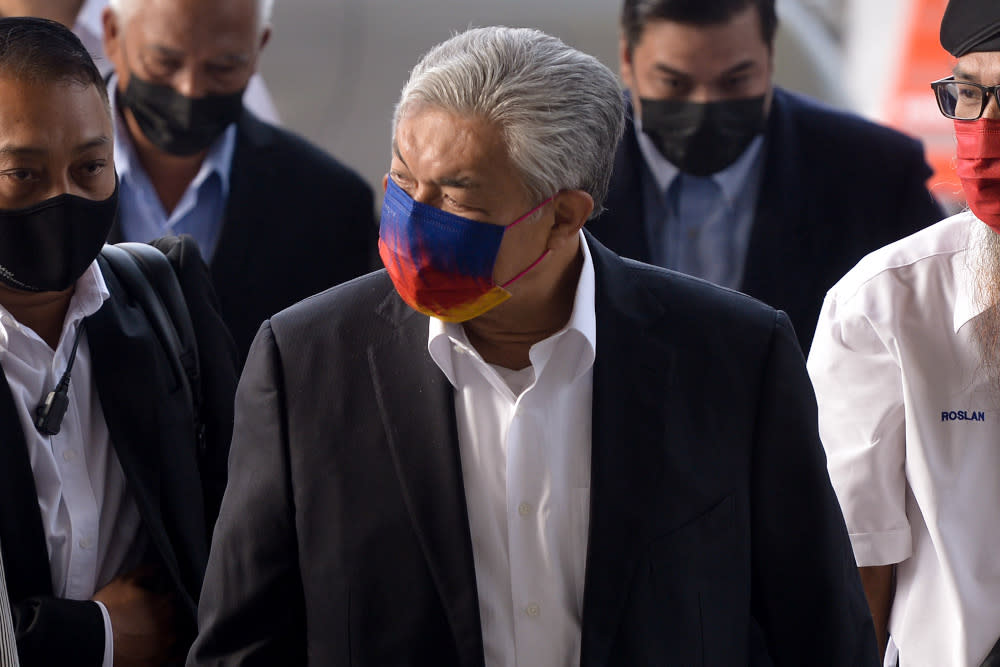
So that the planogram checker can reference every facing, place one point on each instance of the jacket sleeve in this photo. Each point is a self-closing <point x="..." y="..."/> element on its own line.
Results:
<point x="217" y="361"/>
<point x="251" y="609"/>
<point x="52" y="631"/>
<point x="807" y="597"/>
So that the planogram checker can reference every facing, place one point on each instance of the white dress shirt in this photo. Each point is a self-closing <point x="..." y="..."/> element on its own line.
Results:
<point x="912" y="434"/>
<point x="525" y="442"/>
<point x="8" y="645"/>
<point x="91" y="522"/>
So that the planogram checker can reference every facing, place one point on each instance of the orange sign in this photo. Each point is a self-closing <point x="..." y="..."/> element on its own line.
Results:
<point x="912" y="108"/>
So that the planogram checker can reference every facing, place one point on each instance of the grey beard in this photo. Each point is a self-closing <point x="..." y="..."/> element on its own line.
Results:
<point x="985" y="267"/>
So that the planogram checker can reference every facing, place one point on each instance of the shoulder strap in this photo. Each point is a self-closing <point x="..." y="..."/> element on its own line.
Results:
<point x="149" y="278"/>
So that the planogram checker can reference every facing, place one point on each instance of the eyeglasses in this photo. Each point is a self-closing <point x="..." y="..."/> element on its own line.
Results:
<point x="963" y="100"/>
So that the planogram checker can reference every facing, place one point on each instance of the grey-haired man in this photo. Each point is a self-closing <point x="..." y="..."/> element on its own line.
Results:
<point x="513" y="446"/>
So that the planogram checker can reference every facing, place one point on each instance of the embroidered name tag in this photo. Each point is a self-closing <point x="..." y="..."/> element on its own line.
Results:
<point x="963" y="416"/>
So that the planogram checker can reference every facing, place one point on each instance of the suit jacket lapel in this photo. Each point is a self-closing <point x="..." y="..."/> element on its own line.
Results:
<point x="781" y="244"/>
<point x="250" y="169"/>
<point x="416" y="404"/>
<point x="629" y="429"/>
<point x="25" y="553"/>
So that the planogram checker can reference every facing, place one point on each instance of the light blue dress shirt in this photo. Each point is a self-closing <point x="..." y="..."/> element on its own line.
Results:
<point x="200" y="210"/>
<point x="700" y="226"/>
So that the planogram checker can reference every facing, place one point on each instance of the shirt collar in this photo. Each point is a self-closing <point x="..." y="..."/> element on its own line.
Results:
<point x="583" y="320"/>
<point x="89" y="17"/>
<point x="967" y="306"/>
<point x="218" y="160"/>
<point x="730" y="180"/>
<point x="90" y="294"/>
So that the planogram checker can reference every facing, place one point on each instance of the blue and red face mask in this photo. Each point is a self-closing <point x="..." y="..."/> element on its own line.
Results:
<point x="441" y="263"/>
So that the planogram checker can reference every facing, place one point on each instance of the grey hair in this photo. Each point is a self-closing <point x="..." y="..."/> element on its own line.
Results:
<point x="560" y="111"/>
<point x="265" y="10"/>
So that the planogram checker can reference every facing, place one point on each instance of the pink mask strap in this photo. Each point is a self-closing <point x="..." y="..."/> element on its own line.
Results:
<point x="528" y="214"/>
<point x="542" y="256"/>
<point x="533" y="265"/>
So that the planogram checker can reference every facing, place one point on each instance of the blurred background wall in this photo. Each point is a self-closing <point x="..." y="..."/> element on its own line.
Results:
<point x="335" y="67"/>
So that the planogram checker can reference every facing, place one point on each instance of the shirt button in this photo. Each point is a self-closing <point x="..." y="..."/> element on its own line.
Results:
<point x="69" y="456"/>
<point x="85" y="543"/>
<point x="533" y="610"/>
<point x="524" y="509"/>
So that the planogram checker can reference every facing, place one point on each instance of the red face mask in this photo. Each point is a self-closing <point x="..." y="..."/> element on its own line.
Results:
<point x="978" y="166"/>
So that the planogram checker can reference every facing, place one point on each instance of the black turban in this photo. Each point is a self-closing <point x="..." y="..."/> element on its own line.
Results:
<point x="971" y="25"/>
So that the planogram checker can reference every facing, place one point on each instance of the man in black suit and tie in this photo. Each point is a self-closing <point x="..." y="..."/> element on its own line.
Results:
<point x="724" y="176"/>
<point x="276" y="218"/>
<point x="513" y="446"/>
<point x="110" y="475"/>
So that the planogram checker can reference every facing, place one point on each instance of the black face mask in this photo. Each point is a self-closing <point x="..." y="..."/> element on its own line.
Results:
<point x="48" y="246"/>
<point x="177" y="124"/>
<point x="702" y="138"/>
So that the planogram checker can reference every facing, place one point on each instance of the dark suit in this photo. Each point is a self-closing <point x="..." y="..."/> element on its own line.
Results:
<point x="296" y="222"/>
<point x="835" y="187"/>
<point x="715" y="536"/>
<point x="150" y="423"/>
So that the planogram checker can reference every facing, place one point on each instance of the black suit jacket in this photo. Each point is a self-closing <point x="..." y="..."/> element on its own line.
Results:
<point x="715" y="536"/>
<point x="297" y="221"/>
<point x="150" y="422"/>
<point x="835" y="187"/>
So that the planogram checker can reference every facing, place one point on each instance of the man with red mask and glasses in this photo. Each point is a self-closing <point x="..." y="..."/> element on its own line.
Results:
<point x="906" y="365"/>
<point x="512" y="446"/>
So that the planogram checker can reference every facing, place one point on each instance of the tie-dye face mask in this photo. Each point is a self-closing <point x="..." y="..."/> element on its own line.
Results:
<point x="441" y="263"/>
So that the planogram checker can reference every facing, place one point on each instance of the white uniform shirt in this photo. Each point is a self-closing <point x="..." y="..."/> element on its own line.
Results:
<point x="912" y="435"/>
<point x="525" y="442"/>
<point x="91" y="523"/>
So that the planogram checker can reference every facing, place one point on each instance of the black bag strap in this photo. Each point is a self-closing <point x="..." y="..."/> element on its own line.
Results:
<point x="149" y="278"/>
<point x="993" y="659"/>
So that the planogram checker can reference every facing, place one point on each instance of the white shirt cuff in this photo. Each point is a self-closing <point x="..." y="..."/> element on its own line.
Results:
<point x="109" y="638"/>
<point x="884" y="548"/>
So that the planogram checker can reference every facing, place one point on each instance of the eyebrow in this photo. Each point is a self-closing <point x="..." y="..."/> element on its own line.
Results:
<point x="399" y="156"/>
<point x="229" y="58"/>
<point x="465" y="183"/>
<point x="96" y="142"/>
<point x="21" y="151"/>
<point x="37" y="151"/>
<point x="739" y="68"/>
<point x="960" y="73"/>
<point x="667" y="69"/>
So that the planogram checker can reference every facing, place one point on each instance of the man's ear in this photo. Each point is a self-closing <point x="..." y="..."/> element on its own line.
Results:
<point x="625" y="70"/>
<point x="385" y="182"/>
<point x="571" y="209"/>
<point x="112" y="37"/>
<point x="265" y="37"/>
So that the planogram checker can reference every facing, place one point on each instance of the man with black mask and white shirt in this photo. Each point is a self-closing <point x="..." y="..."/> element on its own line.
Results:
<point x="276" y="218"/>
<point x="110" y="472"/>
<point x="723" y="176"/>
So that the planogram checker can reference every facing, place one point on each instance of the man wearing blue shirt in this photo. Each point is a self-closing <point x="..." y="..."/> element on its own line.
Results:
<point x="724" y="176"/>
<point x="276" y="218"/>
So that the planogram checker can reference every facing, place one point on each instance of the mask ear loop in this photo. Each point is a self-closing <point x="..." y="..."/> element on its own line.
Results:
<point x="543" y="255"/>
